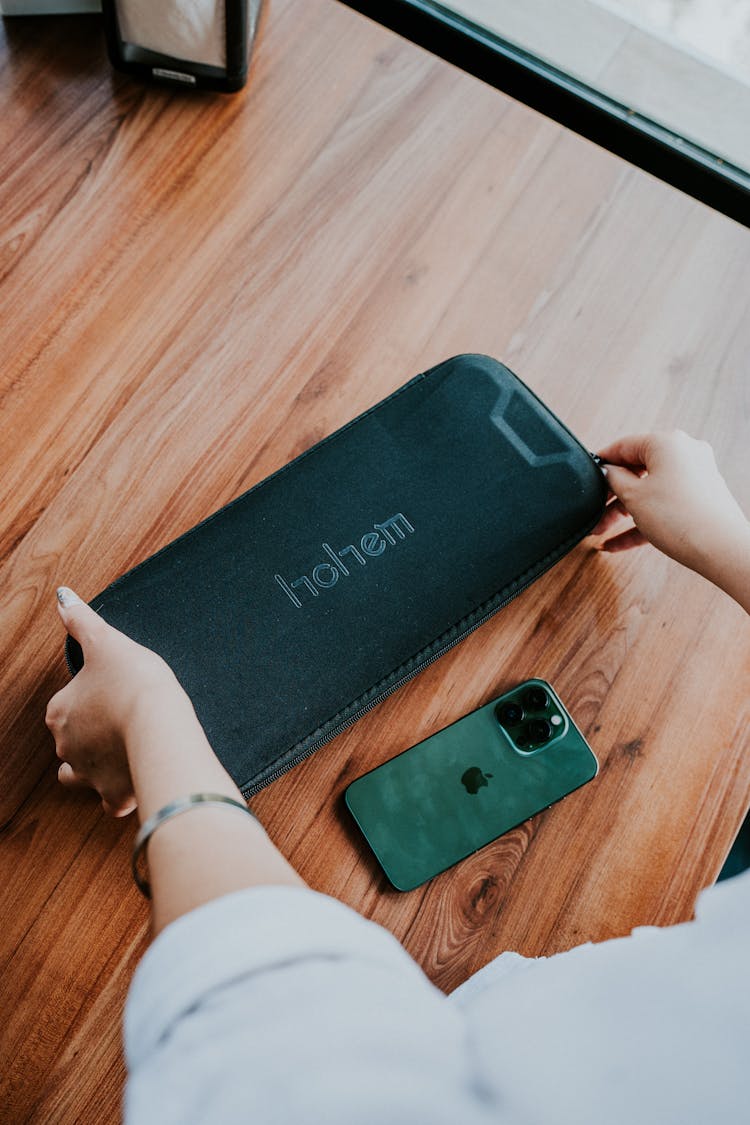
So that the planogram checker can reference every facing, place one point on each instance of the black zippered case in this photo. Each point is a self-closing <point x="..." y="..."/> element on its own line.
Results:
<point x="299" y="606"/>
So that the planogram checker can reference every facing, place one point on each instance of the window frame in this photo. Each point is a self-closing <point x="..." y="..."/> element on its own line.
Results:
<point x="593" y="114"/>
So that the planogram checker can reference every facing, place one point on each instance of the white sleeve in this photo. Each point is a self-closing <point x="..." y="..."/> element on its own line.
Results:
<point x="280" y="1005"/>
<point x="650" y="1028"/>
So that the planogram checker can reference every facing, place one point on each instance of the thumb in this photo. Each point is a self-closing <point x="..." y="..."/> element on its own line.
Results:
<point x="622" y="481"/>
<point x="78" y="618"/>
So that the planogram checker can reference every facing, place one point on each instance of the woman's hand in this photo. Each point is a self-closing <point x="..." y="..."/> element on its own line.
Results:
<point x="120" y="684"/>
<point x="668" y="485"/>
<point x="124" y="727"/>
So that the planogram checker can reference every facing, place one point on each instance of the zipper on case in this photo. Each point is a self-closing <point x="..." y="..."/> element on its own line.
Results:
<point x="256" y="787"/>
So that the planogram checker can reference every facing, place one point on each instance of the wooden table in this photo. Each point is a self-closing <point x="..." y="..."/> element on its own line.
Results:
<point x="195" y="289"/>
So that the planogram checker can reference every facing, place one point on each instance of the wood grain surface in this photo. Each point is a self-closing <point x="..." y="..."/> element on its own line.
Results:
<point x="196" y="288"/>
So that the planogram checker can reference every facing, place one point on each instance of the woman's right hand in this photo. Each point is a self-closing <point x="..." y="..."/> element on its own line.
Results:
<point x="668" y="484"/>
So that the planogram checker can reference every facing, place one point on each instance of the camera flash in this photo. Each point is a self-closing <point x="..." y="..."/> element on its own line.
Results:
<point x="555" y="720"/>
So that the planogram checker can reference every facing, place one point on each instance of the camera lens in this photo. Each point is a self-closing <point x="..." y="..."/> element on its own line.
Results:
<point x="539" y="730"/>
<point x="535" y="698"/>
<point x="510" y="714"/>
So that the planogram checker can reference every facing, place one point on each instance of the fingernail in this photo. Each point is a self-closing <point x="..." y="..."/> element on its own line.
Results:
<point x="67" y="597"/>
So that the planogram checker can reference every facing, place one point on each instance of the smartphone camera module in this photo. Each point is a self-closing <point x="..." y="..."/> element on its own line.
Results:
<point x="529" y="717"/>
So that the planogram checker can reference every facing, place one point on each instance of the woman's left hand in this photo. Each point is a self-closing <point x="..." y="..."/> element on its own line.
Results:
<point x="120" y="685"/>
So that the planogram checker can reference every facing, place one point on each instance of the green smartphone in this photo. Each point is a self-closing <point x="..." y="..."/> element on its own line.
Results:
<point x="460" y="789"/>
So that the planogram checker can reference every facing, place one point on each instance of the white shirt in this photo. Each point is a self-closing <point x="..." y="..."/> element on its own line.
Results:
<point x="280" y="1006"/>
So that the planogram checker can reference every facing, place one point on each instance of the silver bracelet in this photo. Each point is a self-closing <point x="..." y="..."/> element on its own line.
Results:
<point x="174" y="808"/>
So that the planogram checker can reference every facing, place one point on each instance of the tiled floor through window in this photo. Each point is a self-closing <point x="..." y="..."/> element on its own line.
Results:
<point x="718" y="29"/>
<point x="683" y="63"/>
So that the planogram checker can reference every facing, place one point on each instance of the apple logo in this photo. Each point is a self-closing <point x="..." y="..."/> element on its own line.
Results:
<point x="474" y="779"/>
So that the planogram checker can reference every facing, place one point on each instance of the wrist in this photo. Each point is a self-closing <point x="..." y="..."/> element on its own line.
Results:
<point x="159" y="705"/>
<point x="727" y="564"/>
<point x="169" y="755"/>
